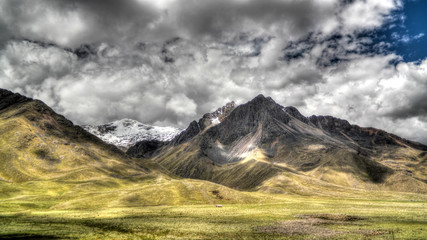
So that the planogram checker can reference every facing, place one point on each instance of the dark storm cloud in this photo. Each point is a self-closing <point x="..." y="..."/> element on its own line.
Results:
<point x="417" y="107"/>
<point x="216" y="18"/>
<point x="72" y="23"/>
<point x="4" y="34"/>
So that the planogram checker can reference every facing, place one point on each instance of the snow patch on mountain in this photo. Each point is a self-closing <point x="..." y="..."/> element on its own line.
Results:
<point x="127" y="132"/>
<point x="215" y="121"/>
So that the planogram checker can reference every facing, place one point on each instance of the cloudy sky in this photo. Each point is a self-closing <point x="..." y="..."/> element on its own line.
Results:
<point x="167" y="62"/>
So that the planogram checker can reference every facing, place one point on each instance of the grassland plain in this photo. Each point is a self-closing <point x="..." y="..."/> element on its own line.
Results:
<point x="106" y="214"/>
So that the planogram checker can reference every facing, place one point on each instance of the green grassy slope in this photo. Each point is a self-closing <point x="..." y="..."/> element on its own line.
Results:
<point x="112" y="193"/>
<point x="36" y="144"/>
<point x="186" y="161"/>
<point x="306" y="168"/>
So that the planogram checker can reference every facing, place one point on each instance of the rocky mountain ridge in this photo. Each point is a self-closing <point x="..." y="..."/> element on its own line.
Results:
<point x="258" y="146"/>
<point x="264" y="140"/>
<point x="208" y="120"/>
<point x="264" y="121"/>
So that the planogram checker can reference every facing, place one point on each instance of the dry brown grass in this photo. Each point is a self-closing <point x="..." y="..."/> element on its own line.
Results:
<point x="309" y="226"/>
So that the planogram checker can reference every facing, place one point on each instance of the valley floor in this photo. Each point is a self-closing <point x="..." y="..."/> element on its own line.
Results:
<point x="287" y="217"/>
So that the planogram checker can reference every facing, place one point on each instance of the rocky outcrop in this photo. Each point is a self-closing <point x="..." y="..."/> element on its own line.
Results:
<point x="192" y="130"/>
<point x="208" y="120"/>
<point x="216" y="117"/>
<point x="247" y="118"/>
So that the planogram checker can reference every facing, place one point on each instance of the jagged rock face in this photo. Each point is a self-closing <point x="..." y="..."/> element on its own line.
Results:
<point x="261" y="112"/>
<point x="262" y="123"/>
<point x="248" y="126"/>
<point x="217" y="116"/>
<point x="208" y="120"/>
<point x="295" y="113"/>
<point x="192" y="130"/>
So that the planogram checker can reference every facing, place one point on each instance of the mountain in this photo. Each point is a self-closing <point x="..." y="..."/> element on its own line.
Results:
<point x="258" y="146"/>
<point x="264" y="146"/>
<point x="126" y="132"/>
<point x="48" y="162"/>
<point x="37" y="143"/>
<point x="150" y="146"/>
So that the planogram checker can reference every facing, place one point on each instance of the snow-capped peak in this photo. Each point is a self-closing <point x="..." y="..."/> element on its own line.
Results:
<point x="125" y="133"/>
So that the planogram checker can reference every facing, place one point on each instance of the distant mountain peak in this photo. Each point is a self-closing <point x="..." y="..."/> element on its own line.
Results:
<point x="126" y="132"/>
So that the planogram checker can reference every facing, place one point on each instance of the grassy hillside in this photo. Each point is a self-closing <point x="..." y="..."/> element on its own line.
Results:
<point x="112" y="193"/>
<point x="186" y="161"/>
<point x="37" y="144"/>
<point x="304" y="169"/>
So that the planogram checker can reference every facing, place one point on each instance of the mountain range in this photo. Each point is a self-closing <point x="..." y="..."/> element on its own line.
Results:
<point x="48" y="162"/>
<point x="257" y="146"/>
